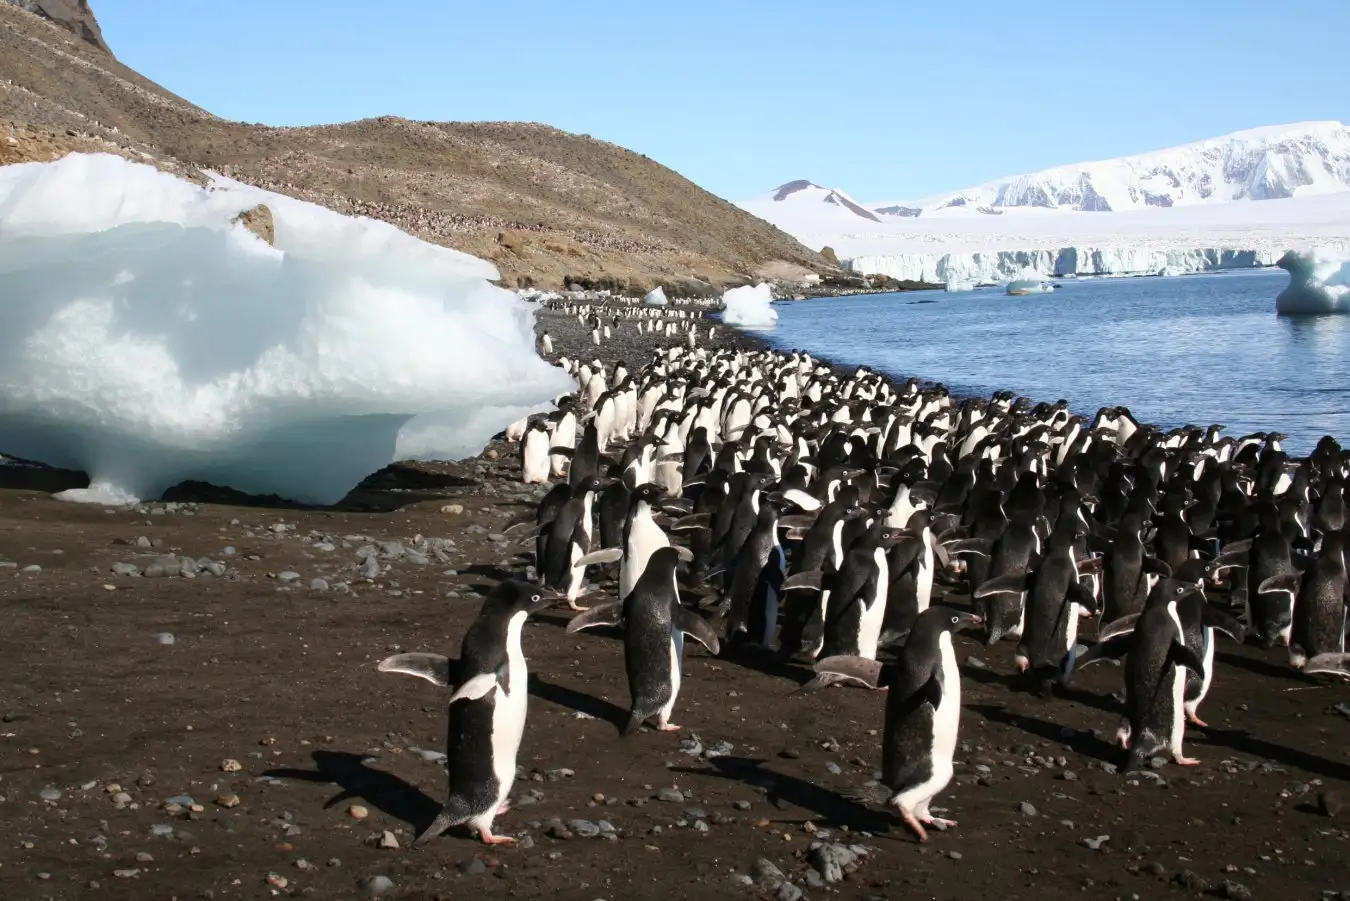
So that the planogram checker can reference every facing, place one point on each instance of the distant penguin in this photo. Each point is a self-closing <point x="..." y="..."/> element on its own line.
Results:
<point x="654" y="625"/>
<point x="534" y="454"/>
<point x="487" y="709"/>
<point x="923" y="713"/>
<point x="545" y="344"/>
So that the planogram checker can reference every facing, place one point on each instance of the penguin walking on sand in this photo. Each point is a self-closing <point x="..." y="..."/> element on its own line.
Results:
<point x="1156" y="662"/>
<point x="487" y="709"/>
<point x="923" y="713"/>
<point x="654" y="625"/>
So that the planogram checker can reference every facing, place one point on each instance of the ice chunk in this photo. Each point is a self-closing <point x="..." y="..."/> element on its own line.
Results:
<point x="1319" y="282"/>
<point x="750" y="307"/>
<point x="1029" y="281"/>
<point x="148" y="340"/>
<point x="656" y="297"/>
<point x="959" y="284"/>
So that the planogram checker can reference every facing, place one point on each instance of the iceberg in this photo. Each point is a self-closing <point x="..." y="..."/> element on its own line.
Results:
<point x="750" y="306"/>
<point x="955" y="285"/>
<point x="150" y="339"/>
<point x="1002" y="265"/>
<point x="656" y="297"/>
<point x="1319" y="282"/>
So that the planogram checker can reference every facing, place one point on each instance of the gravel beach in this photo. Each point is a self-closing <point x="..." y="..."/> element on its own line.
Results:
<point x="191" y="709"/>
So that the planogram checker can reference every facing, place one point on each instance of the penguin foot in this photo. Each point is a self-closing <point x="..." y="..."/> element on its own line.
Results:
<point x="489" y="839"/>
<point x="1186" y="761"/>
<point x="938" y="823"/>
<point x="915" y="826"/>
<point x="1196" y="721"/>
<point x="573" y="605"/>
<point x="504" y="809"/>
<point x="667" y="727"/>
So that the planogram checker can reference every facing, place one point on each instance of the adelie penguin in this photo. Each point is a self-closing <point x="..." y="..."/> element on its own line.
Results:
<point x="487" y="708"/>
<point x="1156" y="662"/>
<point x="923" y="713"/>
<point x="654" y="625"/>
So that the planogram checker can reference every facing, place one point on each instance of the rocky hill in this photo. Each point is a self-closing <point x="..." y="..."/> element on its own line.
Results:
<point x="546" y="206"/>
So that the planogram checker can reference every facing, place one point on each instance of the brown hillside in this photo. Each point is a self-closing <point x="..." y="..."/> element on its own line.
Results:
<point x="543" y="204"/>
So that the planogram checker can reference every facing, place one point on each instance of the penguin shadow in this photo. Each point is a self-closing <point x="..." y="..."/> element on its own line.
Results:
<point x="766" y="662"/>
<point x="783" y="791"/>
<point x="384" y="791"/>
<point x="1243" y="742"/>
<point x="1084" y="743"/>
<point x="1258" y="666"/>
<point x="578" y="701"/>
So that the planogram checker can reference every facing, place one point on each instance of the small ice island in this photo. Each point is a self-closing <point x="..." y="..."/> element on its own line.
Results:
<point x="1319" y="282"/>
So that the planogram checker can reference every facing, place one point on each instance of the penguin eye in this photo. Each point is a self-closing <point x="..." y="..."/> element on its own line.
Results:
<point x="955" y="619"/>
<point x="535" y="598"/>
<point x="1179" y="589"/>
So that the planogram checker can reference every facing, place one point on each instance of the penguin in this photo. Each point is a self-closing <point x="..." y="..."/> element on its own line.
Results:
<point x="923" y="713"/>
<point x="534" y="454"/>
<point x="487" y="709"/>
<point x="565" y="543"/>
<point x="1319" y="612"/>
<point x="654" y="625"/>
<point x="1156" y="661"/>
<point x="546" y="344"/>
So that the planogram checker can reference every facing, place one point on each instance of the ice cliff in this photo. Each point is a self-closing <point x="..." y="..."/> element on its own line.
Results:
<point x="1002" y="265"/>
<point x="149" y="339"/>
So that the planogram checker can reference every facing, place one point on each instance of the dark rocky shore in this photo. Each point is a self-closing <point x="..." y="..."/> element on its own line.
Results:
<point x="191" y="710"/>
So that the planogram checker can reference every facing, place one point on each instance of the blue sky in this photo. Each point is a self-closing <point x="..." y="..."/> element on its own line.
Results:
<point x="887" y="99"/>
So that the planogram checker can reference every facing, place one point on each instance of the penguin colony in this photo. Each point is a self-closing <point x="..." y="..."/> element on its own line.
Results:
<point x="762" y="504"/>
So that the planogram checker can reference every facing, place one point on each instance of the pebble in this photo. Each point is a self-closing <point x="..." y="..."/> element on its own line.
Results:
<point x="34" y="568"/>
<point x="229" y="765"/>
<point x="388" y="841"/>
<point x="1028" y="809"/>
<point x="126" y="569"/>
<point x="1095" y="844"/>
<point x="1235" y="891"/>
<point x="833" y="767"/>
<point x="1190" y="880"/>
<point x="672" y="795"/>
<point x="318" y="585"/>
<point x="829" y="860"/>
<point x="165" y="638"/>
<point x="288" y="576"/>
<point x="161" y="830"/>
<point x="376" y="886"/>
<point x="227" y="800"/>
<point x="789" y="892"/>
<point x="472" y="867"/>
<point x="1330" y="803"/>
<point x="741" y="805"/>
<point x="50" y="793"/>
<point x="583" y="828"/>
<point x="766" y="874"/>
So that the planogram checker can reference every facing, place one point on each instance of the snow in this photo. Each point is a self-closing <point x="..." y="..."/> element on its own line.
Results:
<point x="148" y="340"/>
<point x="1240" y="200"/>
<point x="750" y="307"/>
<point x="955" y="285"/>
<point x="656" y="297"/>
<point x="1319" y="282"/>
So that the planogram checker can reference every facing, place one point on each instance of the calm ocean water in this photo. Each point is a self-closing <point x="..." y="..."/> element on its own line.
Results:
<point x="1195" y="349"/>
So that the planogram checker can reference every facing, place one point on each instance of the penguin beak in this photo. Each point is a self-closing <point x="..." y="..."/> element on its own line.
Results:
<point x="549" y="598"/>
<point x="969" y="619"/>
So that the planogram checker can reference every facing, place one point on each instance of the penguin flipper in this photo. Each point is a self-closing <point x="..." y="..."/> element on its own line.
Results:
<point x="604" y="555"/>
<point x="1111" y="649"/>
<point x="1081" y="595"/>
<point x="1285" y="582"/>
<point x="683" y="553"/>
<point x="1334" y="664"/>
<point x="811" y="579"/>
<point x="978" y="546"/>
<point x="435" y="668"/>
<point x="1118" y="628"/>
<point x="801" y="499"/>
<point x="1156" y="567"/>
<point x="691" y="522"/>
<point x="1184" y="656"/>
<point x="610" y="614"/>
<point x="695" y="626"/>
<point x="1217" y="619"/>
<point x="475" y="688"/>
<point x="1013" y="583"/>
<point x="856" y="669"/>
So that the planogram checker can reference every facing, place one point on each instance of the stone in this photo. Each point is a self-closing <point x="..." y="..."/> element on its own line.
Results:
<point x="288" y="576"/>
<point x="50" y="794"/>
<point x="227" y="800"/>
<point x="829" y="860"/>
<point x="1330" y="803"/>
<point x="1028" y="809"/>
<point x="165" y="638"/>
<point x="583" y="828"/>
<point x="472" y="867"/>
<point x="259" y="221"/>
<point x="229" y="765"/>
<point x="375" y="886"/>
<point x="1235" y="891"/>
<point x="388" y="841"/>
<point x="671" y="795"/>
<point x="766" y="874"/>
<point x="789" y="892"/>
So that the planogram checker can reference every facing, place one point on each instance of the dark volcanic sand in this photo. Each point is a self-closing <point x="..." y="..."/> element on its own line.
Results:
<point x="282" y="679"/>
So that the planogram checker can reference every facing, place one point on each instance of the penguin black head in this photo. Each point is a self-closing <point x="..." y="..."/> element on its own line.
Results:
<point x="514" y="596"/>
<point x="949" y="619"/>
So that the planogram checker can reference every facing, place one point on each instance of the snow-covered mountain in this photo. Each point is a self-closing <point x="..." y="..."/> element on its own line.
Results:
<point x="801" y="201"/>
<point x="1188" y="208"/>
<point x="1268" y="163"/>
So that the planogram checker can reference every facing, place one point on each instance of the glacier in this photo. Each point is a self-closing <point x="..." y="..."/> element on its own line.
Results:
<point x="998" y="266"/>
<point x="149" y="339"/>
<point x="1319" y="282"/>
<point x="750" y="306"/>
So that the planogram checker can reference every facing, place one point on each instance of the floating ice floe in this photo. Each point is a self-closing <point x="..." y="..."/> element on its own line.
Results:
<point x="148" y="339"/>
<point x="954" y="285"/>
<point x="1029" y="281"/>
<point x="750" y="306"/>
<point x="656" y="297"/>
<point x="1319" y="282"/>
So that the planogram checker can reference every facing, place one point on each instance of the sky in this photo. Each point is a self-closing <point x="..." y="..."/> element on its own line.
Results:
<point x="886" y="99"/>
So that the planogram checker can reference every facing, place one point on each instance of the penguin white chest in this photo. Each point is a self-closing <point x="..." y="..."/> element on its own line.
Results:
<point x="645" y="537"/>
<point x="509" y="708"/>
<point x="947" y="716"/>
<point x="874" y="613"/>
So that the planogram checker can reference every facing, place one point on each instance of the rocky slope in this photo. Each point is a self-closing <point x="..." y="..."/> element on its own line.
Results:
<point x="74" y="16"/>
<point x="546" y="206"/>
